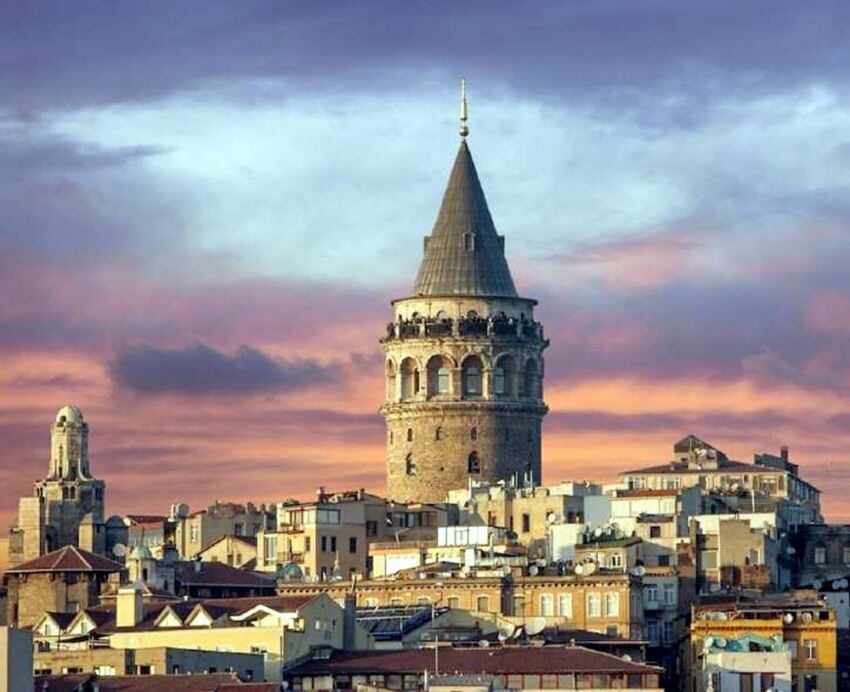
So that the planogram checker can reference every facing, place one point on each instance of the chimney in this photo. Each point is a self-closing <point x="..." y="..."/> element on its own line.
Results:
<point x="349" y="622"/>
<point x="128" y="606"/>
<point x="320" y="493"/>
<point x="783" y="452"/>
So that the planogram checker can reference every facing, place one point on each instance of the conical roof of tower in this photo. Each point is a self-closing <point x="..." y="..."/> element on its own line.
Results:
<point x="464" y="254"/>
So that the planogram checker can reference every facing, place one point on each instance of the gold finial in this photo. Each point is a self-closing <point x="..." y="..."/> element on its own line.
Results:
<point x="464" y="130"/>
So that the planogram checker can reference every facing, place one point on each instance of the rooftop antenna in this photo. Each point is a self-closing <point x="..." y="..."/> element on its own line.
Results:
<point x="464" y="130"/>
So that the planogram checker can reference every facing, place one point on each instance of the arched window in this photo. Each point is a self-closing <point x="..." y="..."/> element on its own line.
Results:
<point x="439" y="376"/>
<point x="473" y="464"/>
<point x="504" y="376"/>
<point x="440" y="434"/>
<point x="410" y="434"/>
<point x="473" y="434"/>
<point x="471" y="377"/>
<point x="531" y="380"/>
<point x="391" y="381"/>
<point x="409" y="379"/>
<point x="410" y="465"/>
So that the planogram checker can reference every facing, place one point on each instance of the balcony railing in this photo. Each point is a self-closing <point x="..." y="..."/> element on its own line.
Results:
<point x="496" y="326"/>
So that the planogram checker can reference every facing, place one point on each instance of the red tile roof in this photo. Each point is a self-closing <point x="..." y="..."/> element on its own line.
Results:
<point x="68" y="559"/>
<point x="212" y="682"/>
<point x="219" y="574"/>
<point x="682" y="467"/>
<point x="496" y="661"/>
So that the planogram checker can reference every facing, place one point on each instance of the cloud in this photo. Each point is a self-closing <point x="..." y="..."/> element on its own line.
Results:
<point x="200" y="370"/>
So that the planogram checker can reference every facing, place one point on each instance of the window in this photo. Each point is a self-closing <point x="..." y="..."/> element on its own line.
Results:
<point x="663" y="560"/>
<point x="352" y="544"/>
<point x="655" y="532"/>
<point x="454" y="601"/>
<point x="518" y="605"/>
<point x="471" y="376"/>
<point x="652" y="631"/>
<point x="616" y="560"/>
<point x="440" y="434"/>
<point x="612" y="604"/>
<point x="469" y="242"/>
<point x="499" y="381"/>
<point x="238" y="529"/>
<point x="565" y="605"/>
<point x="547" y="605"/>
<point x="270" y="549"/>
<point x="482" y="604"/>
<point x="410" y="434"/>
<point x="473" y="434"/>
<point x="371" y="528"/>
<point x="473" y="464"/>
<point x="333" y="544"/>
<point x="594" y="605"/>
<point x="669" y="591"/>
<point x="650" y="593"/>
<point x="444" y="381"/>
<point x="810" y="683"/>
<point x="668" y="630"/>
<point x="410" y="465"/>
<point x="820" y="555"/>
<point x="324" y="540"/>
<point x="767" y="681"/>
<point x="846" y="555"/>
<point x="308" y="543"/>
<point x="526" y="523"/>
<point x="148" y="670"/>
<point x="811" y="647"/>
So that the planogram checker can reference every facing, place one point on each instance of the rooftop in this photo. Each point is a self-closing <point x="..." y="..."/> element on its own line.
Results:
<point x="473" y="661"/>
<point x="67" y="559"/>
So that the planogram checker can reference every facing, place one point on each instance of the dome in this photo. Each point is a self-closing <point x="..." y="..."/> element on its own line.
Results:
<point x="69" y="414"/>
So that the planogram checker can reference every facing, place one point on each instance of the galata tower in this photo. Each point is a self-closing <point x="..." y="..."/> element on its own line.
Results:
<point x="464" y="357"/>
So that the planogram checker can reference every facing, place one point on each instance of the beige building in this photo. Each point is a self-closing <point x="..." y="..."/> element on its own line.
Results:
<point x="330" y="538"/>
<point x="67" y="505"/>
<point x="236" y="551"/>
<point x="527" y="511"/>
<point x="196" y="531"/>
<point x="608" y="603"/>
<point x="771" y="483"/>
<point x="277" y="628"/>
<point x="64" y="581"/>
<point x="463" y="359"/>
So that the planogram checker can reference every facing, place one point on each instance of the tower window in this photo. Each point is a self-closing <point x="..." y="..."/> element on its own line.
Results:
<point x="469" y="242"/>
<point x="471" y="376"/>
<point x="440" y="434"/>
<point x="410" y="465"/>
<point x="473" y="464"/>
<point x="473" y="434"/>
<point x="410" y="434"/>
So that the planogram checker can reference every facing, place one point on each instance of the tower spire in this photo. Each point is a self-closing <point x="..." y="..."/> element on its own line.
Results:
<point x="464" y="130"/>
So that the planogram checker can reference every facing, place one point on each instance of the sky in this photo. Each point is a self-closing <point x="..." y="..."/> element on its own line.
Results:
<point x="206" y="207"/>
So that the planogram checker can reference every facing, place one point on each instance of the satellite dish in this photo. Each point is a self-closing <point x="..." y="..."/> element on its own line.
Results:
<point x="506" y="632"/>
<point x="589" y="568"/>
<point x="535" y="625"/>
<point x="626" y="658"/>
<point x="790" y="550"/>
<point x="551" y="518"/>
<point x="119" y="550"/>
<point x="836" y="584"/>
<point x="844" y="583"/>
<point x="788" y="618"/>
<point x="533" y="570"/>
<point x="542" y="562"/>
<point x="638" y="571"/>
<point x="817" y="584"/>
<point x="597" y="531"/>
<point x="807" y="617"/>
<point x="708" y="642"/>
<point x="720" y="641"/>
<point x="579" y="569"/>
<point x="722" y="616"/>
<point x="483" y="643"/>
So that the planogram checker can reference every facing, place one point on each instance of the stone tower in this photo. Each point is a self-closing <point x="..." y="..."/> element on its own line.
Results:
<point x="67" y="505"/>
<point x="464" y="365"/>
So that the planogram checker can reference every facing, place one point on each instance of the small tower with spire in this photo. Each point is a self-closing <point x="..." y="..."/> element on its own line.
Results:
<point x="464" y="356"/>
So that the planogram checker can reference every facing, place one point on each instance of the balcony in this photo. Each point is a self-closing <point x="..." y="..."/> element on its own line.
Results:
<point x="497" y="326"/>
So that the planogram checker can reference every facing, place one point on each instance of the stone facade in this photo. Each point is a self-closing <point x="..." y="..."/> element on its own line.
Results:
<point x="464" y="366"/>
<point x="67" y="505"/>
